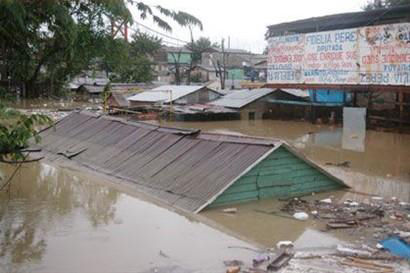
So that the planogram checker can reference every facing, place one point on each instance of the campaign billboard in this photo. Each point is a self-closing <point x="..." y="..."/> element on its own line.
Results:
<point x="371" y="55"/>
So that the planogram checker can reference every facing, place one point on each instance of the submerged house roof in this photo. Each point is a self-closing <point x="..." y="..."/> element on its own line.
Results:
<point x="166" y="93"/>
<point x="296" y="92"/>
<point x="342" y="21"/>
<point x="241" y="98"/>
<point x="118" y="99"/>
<point x="187" y="169"/>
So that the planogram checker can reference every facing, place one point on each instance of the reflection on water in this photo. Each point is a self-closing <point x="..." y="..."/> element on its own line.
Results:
<point x="56" y="220"/>
<point x="383" y="155"/>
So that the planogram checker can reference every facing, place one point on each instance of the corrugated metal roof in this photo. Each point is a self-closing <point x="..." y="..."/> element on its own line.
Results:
<point x="342" y="21"/>
<point x="184" y="168"/>
<point x="241" y="98"/>
<point x="163" y="93"/>
<point x="296" y="92"/>
<point x="120" y="99"/>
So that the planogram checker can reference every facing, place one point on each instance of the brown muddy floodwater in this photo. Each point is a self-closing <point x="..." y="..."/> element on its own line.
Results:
<point x="59" y="220"/>
<point x="55" y="219"/>
<point x="379" y="165"/>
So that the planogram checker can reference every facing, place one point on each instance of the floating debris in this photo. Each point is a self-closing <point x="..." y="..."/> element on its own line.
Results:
<point x="303" y="216"/>
<point x="230" y="210"/>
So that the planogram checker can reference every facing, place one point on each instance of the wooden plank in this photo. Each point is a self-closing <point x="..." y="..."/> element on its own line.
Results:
<point x="237" y="188"/>
<point x="274" y="183"/>
<point x="218" y="203"/>
<point x="280" y="162"/>
<point x="249" y="179"/>
<point x="275" y="192"/>
<point x="237" y="196"/>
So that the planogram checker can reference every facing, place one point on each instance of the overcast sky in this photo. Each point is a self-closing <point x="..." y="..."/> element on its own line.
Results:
<point x="245" y="22"/>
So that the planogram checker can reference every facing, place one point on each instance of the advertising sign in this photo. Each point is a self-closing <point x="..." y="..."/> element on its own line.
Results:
<point x="373" y="55"/>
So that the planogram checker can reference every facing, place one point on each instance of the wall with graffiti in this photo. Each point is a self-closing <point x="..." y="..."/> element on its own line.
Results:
<point x="374" y="55"/>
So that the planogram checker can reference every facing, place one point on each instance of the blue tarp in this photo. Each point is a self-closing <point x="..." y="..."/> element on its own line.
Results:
<point x="397" y="246"/>
<point x="333" y="96"/>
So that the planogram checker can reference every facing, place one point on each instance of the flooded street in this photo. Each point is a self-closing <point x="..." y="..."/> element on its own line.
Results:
<point x="55" y="219"/>
<point x="58" y="220"/>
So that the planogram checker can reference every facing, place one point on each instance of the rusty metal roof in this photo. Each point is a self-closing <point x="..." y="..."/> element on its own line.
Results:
<point x="184" y="168"/>
<point x="380" y="16"/>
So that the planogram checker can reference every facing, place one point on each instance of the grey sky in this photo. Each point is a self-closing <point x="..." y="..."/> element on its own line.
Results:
<point x="245" y="21"/>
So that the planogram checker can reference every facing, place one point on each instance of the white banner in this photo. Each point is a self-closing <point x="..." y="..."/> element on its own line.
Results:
<point x="374" y="55"/>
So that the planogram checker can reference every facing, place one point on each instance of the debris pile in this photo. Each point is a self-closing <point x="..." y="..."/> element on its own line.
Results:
<point x="370" y="221"/>
<point x="379" y="227"/>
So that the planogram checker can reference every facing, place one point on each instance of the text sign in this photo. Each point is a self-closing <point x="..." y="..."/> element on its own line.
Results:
<point x="375" y="55"/>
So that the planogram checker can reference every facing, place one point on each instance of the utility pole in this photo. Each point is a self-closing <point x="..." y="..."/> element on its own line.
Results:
<point x="223" y="65"/>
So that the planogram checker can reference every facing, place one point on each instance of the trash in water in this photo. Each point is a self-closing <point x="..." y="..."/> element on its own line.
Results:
<point x="284" y="244"/>
<point x="280" y="260"/>
<point x="397" y="246"/>
<point x="260" y="259"/>
<point x="327" y="201"/>
<point x="303" y="216"/>
<point x="230" y="210"/>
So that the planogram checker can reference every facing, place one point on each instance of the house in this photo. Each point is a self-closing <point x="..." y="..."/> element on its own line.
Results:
<point x="89" y="91"/>
<point x="88" y="78"/>
<point x="202" y="112"/>
<point x="235" y="61"/>
<point x="117" y="100"/>
<point x="86" y="91"/>
<point x="201" y="73"/>
<point x="175" y="94"/>
<point x="167" y="59"/>
<point x="252" y="104"/>
<point x="187" y="169"/>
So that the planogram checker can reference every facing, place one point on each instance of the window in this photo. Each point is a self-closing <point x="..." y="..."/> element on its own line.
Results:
<point x="251" y="115"/>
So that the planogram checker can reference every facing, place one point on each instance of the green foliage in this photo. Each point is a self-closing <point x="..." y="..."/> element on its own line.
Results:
<point x="16" y="129"/>
<point x="132" y="62"/>
<point x="376" y="4"/>
<point x="52" y="41"/>
<point x="199" y="46"/>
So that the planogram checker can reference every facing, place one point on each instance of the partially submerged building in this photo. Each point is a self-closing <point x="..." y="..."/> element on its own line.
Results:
<point x="86" y="91"/>
<point x="357" y="53"/>
<point x="117" y="101"/>
<point x="203" y="112"/>
<point x="187" y="169"/>
<point x="175" y="94"/>
<point x="252" y="104"/>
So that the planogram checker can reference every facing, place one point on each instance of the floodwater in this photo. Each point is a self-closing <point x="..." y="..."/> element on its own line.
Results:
<point x="57" y="220"/>
<point x="379" y="165"/>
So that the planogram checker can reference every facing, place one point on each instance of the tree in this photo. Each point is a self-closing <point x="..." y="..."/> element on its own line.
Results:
<point x="16" y="129"/>
<point x="46" y="42"/>
<point x="200" y="46"/>
<point x="133" y="62"/>
<point x="197" y="48"/>
<point x="220" y="65"/>
<point x="376" y="4"/>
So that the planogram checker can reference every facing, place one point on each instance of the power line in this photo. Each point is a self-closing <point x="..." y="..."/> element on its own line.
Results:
<point x="160" y="33"/>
